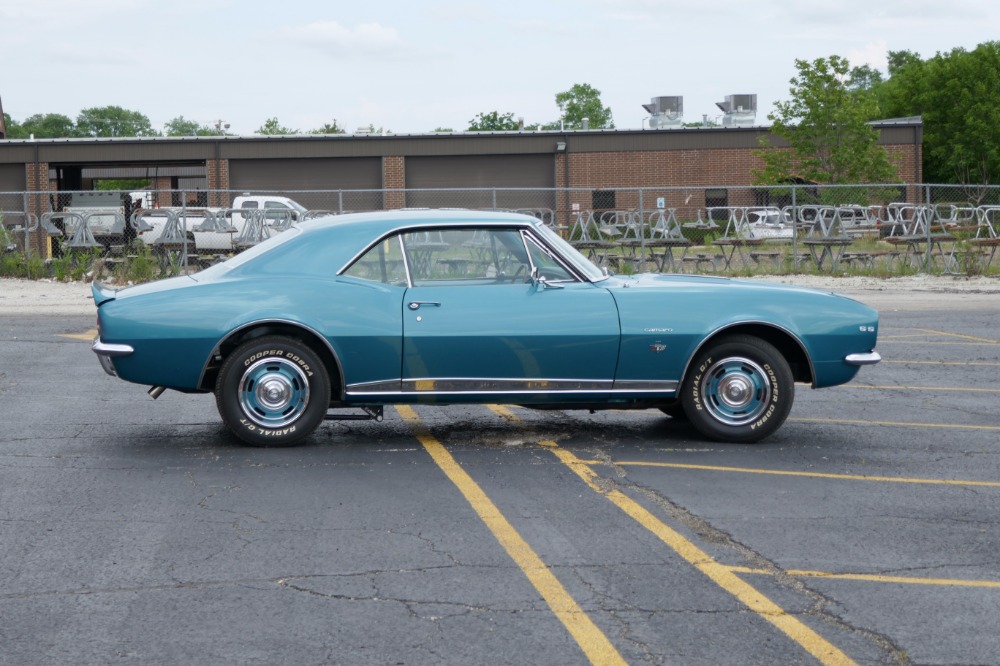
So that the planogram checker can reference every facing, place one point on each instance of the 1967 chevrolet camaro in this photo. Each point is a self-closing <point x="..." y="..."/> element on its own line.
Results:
<point x="447" y="307"/>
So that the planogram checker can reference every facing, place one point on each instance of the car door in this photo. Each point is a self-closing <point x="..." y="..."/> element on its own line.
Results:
<point x="477" y="322"/>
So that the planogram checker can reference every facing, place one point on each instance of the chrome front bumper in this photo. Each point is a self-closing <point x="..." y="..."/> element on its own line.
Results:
<point x="105" y="352"/>
<point x="870" y="358"/>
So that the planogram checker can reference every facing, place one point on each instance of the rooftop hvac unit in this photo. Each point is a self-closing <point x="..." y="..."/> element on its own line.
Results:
<point x="739" y="110"/>
<point x="666" y="112"/>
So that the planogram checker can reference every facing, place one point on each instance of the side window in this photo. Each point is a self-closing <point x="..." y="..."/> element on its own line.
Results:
<point x="278" y="213"/>
<point x="545" y="263"/>
<point x="466" y="256"/>
<point x="248" y="204"/>
<point x="382" y="263"/>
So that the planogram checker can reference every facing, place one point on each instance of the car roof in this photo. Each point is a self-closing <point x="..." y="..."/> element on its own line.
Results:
<point x="344" y="237"/>
<point x="379" y="223"/>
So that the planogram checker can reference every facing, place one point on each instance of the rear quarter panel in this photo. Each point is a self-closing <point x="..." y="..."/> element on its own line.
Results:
<point x="175" y="332"/>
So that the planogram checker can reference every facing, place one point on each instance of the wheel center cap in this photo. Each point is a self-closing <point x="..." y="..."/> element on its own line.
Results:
<point x="274" y="392"/>
<point x="736" y="391"/>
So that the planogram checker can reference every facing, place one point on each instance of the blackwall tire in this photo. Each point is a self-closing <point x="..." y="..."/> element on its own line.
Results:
<point x="272" y="391"/>
<point x="740" y="389"/>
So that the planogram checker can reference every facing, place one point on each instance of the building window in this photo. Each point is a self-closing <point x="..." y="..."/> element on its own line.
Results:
<point x="717" y="198"/>
<point x="602" y="200"/>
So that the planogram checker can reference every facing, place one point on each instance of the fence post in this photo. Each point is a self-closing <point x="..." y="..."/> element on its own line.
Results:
<point x="795" y="231"/>
<point x="929" y="212"/>
<point x="642" y="230"/>
<point x="28" y="231"/>
<point x="184" y="231"/>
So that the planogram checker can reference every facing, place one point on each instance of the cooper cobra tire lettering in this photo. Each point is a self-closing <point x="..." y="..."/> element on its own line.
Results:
<point x="741" y="390"/>
<point x="272" y="391"/>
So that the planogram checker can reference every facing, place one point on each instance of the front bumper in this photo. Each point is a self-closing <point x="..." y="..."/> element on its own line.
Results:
<point x="870" y="358"/>
<point x="105" y="352"/>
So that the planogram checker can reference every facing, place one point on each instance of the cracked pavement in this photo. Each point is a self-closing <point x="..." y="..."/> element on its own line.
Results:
<point x="136" y="531"/>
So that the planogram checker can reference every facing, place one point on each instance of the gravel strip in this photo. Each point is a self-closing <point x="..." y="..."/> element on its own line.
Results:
<point x="48" y="297"/>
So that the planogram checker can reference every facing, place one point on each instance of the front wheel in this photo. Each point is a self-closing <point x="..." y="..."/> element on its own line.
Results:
<point x="272" y="391"/>
<point x="739" y="389"/>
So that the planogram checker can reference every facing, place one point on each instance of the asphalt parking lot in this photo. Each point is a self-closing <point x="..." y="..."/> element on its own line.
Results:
<point x="865" y="531"/>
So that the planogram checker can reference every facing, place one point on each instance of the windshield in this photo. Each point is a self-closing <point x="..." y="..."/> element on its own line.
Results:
<point x="571" y="254"/>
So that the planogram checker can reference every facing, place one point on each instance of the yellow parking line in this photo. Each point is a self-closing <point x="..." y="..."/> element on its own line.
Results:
<point x="720" y="574"/>
<point x="591" y="640"/>
<point x="975" y="363"/>
<point x="791" y="626"/>
<point x="814" y="475"/>
<point x="937" y="343"/>
<point x="505" y="412"/>
<point x="88" y="336"/>
<point x="874" y="578"/>
<point x="924" y="388"/>
<point x="959" y="335"/>
<point x="908" y="424"/>
<point x="908" y="336"/>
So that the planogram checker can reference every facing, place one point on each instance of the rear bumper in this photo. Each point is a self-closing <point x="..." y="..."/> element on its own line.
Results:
<point x="105" y="352"/>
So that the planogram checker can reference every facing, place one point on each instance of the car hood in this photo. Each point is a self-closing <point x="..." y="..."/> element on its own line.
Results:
<point x="673" y="281"/>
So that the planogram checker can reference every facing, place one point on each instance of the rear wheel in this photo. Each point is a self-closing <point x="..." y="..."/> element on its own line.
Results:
<point x="740" y="389"/>
<point x="272" y="391"/>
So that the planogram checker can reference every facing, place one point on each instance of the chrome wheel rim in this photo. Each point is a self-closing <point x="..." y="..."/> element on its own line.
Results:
<point x="273" y="393"/>
<point x="736" y="391"/>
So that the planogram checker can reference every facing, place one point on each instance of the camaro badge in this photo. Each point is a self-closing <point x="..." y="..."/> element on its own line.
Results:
<point x="657" y="347"/>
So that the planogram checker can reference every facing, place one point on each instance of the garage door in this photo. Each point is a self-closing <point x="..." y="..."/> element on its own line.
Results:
<point x="316" y="183"/>
<point x="12" y="179"/>
<point x="503" y="181"/>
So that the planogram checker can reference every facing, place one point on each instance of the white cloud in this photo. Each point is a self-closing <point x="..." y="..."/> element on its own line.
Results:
<point x="363" y="40"/>
<point x="874" y="54"/>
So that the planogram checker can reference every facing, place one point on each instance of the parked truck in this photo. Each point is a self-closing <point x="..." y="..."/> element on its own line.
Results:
<point x="208" y="229"/>
<point x="222" y="229"/>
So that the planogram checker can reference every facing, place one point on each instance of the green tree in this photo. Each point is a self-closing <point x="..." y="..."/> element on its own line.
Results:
<point x="271" y="126"/>
<point x="958" y="96"/>
<point x="371" y="129"/>
<point x="864" y="77"/>
<point x="899" y="60"/>
<point x="826" y="126"/>
<point x="122" y="184"/>
<point x="329" y="128"/>
<point x="494" y="121"/>
<point x="47" y="126"/>
<point x="181" y="126"/>
<point x="113" y="121"/>
<point x="584" y="101"/>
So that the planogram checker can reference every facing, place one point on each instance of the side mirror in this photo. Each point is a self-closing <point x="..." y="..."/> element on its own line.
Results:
<point x="540" y="281"/>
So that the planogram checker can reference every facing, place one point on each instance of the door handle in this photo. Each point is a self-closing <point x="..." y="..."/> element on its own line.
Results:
<point x="415" y="305"/>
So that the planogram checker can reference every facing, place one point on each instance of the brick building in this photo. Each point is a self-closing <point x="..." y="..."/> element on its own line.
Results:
<point x="692" y="167"/>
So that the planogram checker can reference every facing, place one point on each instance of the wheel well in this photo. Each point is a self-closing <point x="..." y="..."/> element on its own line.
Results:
<point x="303" y="335"/>
<point x="782" y="340"/>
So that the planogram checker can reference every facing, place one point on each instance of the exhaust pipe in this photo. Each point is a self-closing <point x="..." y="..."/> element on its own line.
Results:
<point x="156" y="391"/>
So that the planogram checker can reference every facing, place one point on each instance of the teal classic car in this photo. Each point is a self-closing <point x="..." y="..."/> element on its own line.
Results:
<point x="443" y="307"/>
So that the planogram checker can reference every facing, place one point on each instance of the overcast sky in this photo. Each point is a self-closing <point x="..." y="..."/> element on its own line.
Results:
<point x="412" y="66"/>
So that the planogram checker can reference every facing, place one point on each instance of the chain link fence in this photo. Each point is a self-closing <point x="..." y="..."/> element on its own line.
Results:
<point x="878" y="230"/>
